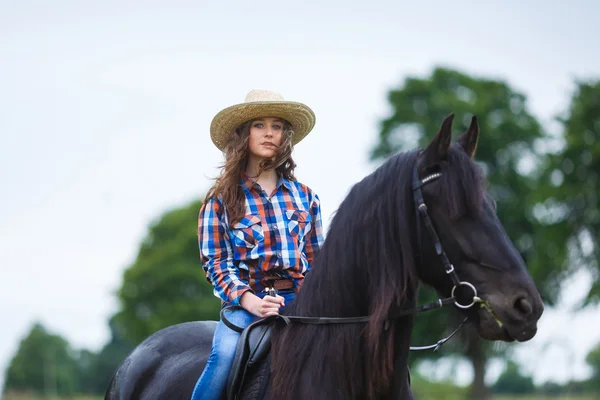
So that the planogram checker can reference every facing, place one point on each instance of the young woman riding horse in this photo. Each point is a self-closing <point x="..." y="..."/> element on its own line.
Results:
<point x="258" y="227"/>
<point x="422" y="216"/>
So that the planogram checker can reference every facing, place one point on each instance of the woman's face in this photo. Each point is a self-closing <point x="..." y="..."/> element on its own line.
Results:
<point x="265" y="137"/>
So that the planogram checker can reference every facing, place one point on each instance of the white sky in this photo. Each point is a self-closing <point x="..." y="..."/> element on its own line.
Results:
<point x="105" y="109"/>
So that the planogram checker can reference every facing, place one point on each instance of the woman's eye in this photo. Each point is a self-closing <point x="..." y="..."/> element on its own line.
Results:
<point x="277" y="127"/>
<point x="258" y="125"/>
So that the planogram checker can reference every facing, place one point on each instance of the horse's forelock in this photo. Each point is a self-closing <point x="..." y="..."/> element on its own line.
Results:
<point x="463" y="185"/>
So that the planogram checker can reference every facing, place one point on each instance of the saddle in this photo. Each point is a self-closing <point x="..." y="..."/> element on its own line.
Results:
<point x="250" y="372"/>
<point x="252" y="349"/>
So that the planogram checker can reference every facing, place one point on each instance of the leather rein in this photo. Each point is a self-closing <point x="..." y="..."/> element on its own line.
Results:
<point x="422" y="215"/>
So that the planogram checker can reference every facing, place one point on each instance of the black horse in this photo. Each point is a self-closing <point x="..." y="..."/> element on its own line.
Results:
<point x="421" y="216"/>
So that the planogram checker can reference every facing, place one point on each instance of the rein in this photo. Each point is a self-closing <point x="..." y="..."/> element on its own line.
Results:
<point x="421" y="210"/>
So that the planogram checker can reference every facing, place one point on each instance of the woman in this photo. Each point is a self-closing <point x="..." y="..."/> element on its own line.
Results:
<point x="258" y="228"/>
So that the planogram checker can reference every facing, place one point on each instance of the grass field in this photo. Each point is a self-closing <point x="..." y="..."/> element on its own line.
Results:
<point x="426" y="390"/>
<point x="31" y="397"/>
<point x="24" y="397"/>
<point x="549" y="398"/>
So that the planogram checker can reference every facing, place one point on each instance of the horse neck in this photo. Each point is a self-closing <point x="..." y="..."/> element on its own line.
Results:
<point x="370" y="249"/>
<point x="366" y="267"/>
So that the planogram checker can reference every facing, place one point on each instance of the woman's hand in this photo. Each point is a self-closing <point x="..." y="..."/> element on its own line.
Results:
<point x="264" y="307"/>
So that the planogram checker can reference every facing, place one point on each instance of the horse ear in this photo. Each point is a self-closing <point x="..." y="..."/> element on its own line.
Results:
<point x="468" y="140"/>
<point x="437" y="150"/>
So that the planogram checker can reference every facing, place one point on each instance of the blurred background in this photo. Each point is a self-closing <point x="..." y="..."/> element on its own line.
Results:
<point x="105" y="156"/>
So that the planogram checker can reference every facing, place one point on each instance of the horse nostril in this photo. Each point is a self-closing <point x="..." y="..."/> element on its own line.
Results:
<point x="523" y="306"/>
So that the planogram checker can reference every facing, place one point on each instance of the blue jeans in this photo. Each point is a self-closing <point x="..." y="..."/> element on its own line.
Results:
<point x="212" y="382"/>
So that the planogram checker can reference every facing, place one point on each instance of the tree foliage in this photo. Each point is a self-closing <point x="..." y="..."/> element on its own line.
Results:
<point x="512" y="381"/>
<point x="593" y="360"/>
<point x="44" y="364"/>
<point x="97" y="369"/>
<point x="506" y="150"/>
<point x="569" y="204"/>
<point x="166" y="285"/>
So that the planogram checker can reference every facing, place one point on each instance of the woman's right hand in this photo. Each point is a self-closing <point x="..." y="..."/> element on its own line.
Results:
<point x="264" y="307"/>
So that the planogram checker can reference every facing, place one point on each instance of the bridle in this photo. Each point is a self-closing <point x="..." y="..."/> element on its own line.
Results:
<point x="422" y="215"/>
<point x="417" y="184"/>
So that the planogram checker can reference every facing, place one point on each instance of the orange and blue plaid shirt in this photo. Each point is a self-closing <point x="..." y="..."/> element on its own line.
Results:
<point x="276" y="239"/>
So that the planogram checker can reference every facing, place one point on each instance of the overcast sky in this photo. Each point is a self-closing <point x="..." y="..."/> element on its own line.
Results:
<point x="105" y="109"/>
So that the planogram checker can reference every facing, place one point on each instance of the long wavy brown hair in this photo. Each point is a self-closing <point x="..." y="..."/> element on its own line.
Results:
<point x="227" y="185"/>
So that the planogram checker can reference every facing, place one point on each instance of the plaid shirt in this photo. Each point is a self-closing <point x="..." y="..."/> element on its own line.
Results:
<point x="277" y="238"/>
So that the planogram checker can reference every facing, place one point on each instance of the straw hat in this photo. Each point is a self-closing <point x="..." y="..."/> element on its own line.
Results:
<point x="261" y="103"/>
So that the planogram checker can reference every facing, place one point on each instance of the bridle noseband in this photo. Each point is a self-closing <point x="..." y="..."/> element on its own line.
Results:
<point x="422" y="215"/>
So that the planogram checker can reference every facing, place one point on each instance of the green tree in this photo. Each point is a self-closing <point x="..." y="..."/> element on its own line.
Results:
<point x="44" y="364"/>
<point x="508" y="157"/>
<point x="98" y="369"/>
<point x="569" y="204"/>
<point x="593" y="360"/>
<point x="166" y="284"/>
<point x="512" y="381"/>
<point x="551" y="389"/>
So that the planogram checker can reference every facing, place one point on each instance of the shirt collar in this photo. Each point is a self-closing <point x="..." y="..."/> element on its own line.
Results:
<point x="248" y="183"/>
<point x="284" y="182"/>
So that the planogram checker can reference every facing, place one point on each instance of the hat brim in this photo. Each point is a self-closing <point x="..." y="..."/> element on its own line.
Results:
<point x="300" y="116"/>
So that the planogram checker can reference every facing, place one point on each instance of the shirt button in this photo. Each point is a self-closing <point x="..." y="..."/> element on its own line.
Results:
<point x="274" y="226"/>
<point x="278" y="254"/>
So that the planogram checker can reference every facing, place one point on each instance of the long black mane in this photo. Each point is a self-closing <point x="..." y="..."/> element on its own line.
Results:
<point x="376" y="212"/>
<point x="367" y="266"/>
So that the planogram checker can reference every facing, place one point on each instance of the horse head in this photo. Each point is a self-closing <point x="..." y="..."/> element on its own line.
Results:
<point x="496" y="291"/>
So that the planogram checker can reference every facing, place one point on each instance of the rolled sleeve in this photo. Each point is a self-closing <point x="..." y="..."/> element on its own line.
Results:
<point x="217" y="255"/>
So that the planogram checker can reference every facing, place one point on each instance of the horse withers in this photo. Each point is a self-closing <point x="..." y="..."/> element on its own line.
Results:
<point x="421" y="217"/>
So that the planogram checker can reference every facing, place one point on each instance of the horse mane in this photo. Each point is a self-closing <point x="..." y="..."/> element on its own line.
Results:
<point x="367" y="266"/>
